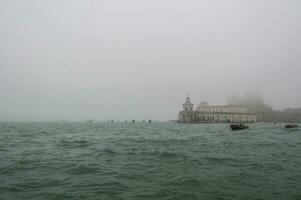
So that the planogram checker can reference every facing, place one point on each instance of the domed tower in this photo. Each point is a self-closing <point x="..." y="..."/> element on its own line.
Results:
<point x="187" y="115"/>
<point x="187" y="106"/>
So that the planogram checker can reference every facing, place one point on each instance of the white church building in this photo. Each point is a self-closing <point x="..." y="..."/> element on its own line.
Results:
<point x="205" y="113"/>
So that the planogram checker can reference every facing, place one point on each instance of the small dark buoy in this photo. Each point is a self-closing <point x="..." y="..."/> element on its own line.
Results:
<point x="133" y="121"/>
<point x="149" y="121"/>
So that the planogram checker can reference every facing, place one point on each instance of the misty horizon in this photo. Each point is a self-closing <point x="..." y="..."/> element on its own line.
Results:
<point x="79" y="60"/>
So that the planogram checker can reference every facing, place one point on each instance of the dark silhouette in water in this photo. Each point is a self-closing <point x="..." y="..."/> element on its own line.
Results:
<point x="238" y="127"/>
<point x="288" y="126"/>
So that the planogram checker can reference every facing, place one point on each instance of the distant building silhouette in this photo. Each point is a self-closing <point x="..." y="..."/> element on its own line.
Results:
<point x="206" y="113"/>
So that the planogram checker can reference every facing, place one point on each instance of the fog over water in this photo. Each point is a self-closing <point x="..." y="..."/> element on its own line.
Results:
<point x="135" y="59"/>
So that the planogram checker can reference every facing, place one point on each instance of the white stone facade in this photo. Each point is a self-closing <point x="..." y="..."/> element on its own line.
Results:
<point x="214" y="114"/>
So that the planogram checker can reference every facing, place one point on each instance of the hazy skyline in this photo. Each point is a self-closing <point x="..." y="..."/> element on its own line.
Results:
<point x="82" y="59"/>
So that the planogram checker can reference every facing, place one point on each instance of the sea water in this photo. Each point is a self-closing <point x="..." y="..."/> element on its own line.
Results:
<point x="139" y="161"/>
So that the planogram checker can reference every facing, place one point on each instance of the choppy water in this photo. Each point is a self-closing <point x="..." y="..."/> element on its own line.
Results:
<point x="148" y="161"/>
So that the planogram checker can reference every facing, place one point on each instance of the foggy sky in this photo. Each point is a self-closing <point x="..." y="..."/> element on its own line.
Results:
<point x="138" y="59"/>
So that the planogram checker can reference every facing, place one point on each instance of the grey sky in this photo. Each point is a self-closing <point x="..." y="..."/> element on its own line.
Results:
<point x="81" y="59"/>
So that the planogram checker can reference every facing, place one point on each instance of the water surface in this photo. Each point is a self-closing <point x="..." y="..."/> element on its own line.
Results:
<point x="148" y="161"/>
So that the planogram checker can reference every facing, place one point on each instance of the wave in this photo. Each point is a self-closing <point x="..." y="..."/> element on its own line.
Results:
<point x="166" y="154"/>
<point x="73" y="143"/>
<point x="39" y="183"/>
<point x="222" y="159"/>
<point x="82" y="169"/>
